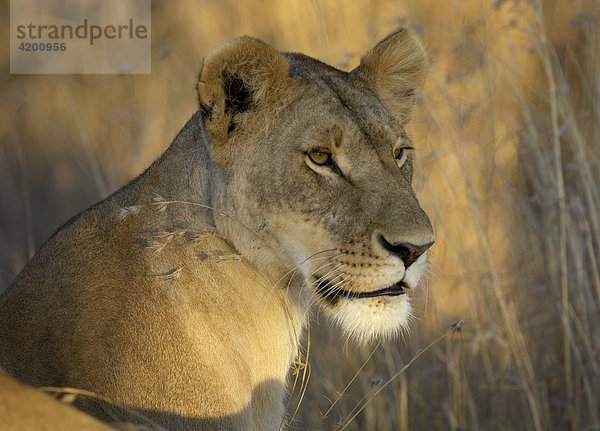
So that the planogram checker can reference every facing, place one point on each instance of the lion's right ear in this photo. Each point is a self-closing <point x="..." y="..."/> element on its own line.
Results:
<point x="239" y="76"/>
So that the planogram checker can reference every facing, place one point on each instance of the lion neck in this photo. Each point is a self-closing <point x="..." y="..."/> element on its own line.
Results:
<point x="274" y="309"/>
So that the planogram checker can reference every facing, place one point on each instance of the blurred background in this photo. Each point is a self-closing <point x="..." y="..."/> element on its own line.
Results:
<point x="507" y="334"/>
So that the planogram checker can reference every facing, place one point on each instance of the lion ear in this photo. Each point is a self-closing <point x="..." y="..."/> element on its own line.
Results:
<point x="396" y="69"/>
<point x="237" y="77"/>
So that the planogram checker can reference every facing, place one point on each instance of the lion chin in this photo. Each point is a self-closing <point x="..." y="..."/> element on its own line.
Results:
<point x="369" y="320"/>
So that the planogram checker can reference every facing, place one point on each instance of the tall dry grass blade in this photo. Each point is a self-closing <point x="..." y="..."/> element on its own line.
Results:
<point x="546" y="56"/>
<point x="341" y="394"/>
<point x="514" y="333"/>
<point x="360" y="406"/>
<point x="26" y="195"/>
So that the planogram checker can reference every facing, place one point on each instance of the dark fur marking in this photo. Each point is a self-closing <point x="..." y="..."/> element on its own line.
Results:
<point x="202" y="256"/>
<point x="142" y="242"/>
<point x="237" y="99"/>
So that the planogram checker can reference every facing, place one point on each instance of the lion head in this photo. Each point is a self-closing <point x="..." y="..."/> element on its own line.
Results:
<point x="315" y="166"/>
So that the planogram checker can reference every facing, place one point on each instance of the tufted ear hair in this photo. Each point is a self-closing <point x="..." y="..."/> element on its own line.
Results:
<point x="235" y="78"/>
<point x="396" y="69"/>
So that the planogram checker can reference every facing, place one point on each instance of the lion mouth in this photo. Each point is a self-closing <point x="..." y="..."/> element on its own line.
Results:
<point x="328" y="291"/>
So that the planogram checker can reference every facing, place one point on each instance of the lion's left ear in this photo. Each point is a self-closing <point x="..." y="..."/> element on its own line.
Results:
<point x="396" y="69"/>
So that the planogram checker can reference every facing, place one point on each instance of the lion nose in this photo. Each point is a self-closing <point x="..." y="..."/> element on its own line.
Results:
<point x="405" y="250"/>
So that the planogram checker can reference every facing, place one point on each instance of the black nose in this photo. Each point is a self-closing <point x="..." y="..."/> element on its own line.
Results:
<point x="405" y="250"/>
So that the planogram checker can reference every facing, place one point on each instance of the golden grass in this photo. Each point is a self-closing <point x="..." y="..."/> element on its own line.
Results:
<point x="508" y="138"/>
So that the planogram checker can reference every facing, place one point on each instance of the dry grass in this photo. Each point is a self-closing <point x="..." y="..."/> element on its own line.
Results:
<point x="508" y="137"/>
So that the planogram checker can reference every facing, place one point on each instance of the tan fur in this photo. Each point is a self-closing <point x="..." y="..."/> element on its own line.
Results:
<point x="184" y="294"/>
<point x="22" y="408"/>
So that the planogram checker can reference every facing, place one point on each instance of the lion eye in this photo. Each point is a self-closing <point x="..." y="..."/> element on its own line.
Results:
<point x="400" y="154"/>
<point x="320" y="157"/>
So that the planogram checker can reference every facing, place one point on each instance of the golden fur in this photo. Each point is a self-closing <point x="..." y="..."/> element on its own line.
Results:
<point x="22" y="408"/>
<point x="184" y="294"/>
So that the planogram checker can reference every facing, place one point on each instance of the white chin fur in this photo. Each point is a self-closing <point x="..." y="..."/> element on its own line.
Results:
<point x="371" y="319"/>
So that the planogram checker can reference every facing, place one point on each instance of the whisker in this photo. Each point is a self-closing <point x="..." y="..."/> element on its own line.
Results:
<point x="332" y="290"/>
<point x="338" y="286"/>
<point x="337" y="271"/>
<point x="312" y="273"/>
<point x="329" y="274"/>
<point x="321" y="267"/>
<point x="313" y="285"/>
<point x="292" y="272"/>
<point x="308" y="259"/>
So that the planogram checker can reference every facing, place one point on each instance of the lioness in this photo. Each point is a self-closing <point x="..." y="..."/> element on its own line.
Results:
<point x="184" y="294"/>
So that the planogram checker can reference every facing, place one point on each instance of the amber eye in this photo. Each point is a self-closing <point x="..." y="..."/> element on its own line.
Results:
<point x="400" y="154"/>
<point x="319" y="157"/>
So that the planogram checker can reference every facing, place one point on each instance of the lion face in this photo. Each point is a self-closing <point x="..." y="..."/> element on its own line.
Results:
<point x="316" y="167"/>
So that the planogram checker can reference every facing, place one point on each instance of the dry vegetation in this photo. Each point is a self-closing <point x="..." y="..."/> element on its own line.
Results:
<point x="508" y="136"/>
